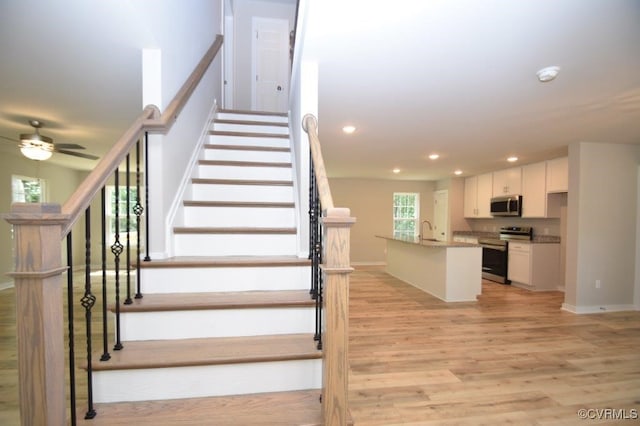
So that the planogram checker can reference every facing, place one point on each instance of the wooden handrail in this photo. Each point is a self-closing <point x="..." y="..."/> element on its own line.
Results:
<point x="336" y="222"/>
<point x="149" y="120"/>
<point x="310" y="125"/>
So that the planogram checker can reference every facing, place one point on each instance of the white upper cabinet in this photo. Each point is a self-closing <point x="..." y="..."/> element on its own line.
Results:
<point x="558" y="175"/>
<point x="534" y="196"/>
<point x="507" y="182"/>
<point x="471" y="196"/>
<point x="485" y="191"/>
<point x="477" y="196"/>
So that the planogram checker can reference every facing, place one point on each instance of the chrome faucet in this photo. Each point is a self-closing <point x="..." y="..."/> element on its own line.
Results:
<point x="422" y="229"/>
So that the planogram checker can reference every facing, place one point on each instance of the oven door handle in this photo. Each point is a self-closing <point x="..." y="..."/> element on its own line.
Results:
<point x="499" y="248"/>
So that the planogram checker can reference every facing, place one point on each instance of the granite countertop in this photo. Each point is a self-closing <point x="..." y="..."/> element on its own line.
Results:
<point x="427" y="243"/>
<point x="537" y="239"/>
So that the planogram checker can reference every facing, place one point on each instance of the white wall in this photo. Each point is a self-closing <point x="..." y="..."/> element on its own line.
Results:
<point x="601" y="226"/>
<point x="371" y="203"/>
<point x="636" y="293"/>
<point x="183" y="35"/>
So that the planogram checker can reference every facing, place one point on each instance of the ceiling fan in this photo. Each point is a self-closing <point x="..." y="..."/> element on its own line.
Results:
<point x="39" y="147"/>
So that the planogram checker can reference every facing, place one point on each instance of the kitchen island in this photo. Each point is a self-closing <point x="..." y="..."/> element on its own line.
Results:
<point x="450" y="271"/>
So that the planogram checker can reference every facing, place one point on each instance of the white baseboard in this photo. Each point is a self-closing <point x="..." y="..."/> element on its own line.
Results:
<point x="597" y="309"/>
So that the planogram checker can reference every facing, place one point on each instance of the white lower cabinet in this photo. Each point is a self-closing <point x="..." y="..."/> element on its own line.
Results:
<point x="534" y="266"/>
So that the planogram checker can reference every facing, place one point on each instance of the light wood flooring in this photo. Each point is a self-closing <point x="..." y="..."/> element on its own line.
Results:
<point x="513" y="357"/>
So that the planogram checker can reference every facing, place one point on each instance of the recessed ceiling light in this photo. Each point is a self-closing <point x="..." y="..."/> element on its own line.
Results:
<point x="457" y="172"/>
<point x="512" y="159"/>
<point x="396" y="170"/>
<point x="548" y="74"/>
<point x="349" y="129"/>
<point x="434" y="156"/>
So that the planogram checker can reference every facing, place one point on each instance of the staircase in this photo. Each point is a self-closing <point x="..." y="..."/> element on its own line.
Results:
<point x="229" y="318"/>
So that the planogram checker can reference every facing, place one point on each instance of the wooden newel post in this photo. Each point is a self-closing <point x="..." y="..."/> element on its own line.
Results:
<point x="336" y="269"/>
<point x="39" y="312"/>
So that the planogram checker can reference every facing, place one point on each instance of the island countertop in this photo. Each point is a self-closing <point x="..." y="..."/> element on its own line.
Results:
<point x="427" y="242"/>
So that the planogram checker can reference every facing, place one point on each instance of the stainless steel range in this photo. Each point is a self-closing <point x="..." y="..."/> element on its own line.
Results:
<point x="495" y="252"/>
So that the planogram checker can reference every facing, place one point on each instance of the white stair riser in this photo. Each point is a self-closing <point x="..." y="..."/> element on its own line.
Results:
<point x="215" y="323"/>
<point x="244" y="155"/>
<point x="275" y="217"/>
<point x="244" y="172"/>
<point x="223" y="192"/>
<point x="233" y="127"/>
<point x="235" y="244"/>
<point x="201" y="381"/>
<point x="252" y="117"/>
<point x="202" y="280"/>
<point x="249" y="141"/>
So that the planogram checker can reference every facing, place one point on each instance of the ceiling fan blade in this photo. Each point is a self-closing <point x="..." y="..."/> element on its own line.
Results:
<point x="69" y="146"/>
<point x="10" y="139"/>
<point x="76" y="154"/>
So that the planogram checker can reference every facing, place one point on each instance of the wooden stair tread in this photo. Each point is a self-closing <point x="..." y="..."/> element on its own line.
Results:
<point x="297" y="408"/>
<point x="252" y="204"/>
<point x="248" y="148"/>
<point x="226" y="261"/>
<point x="219" y="300"/>
<point x="248" y="112"/>
<point x="234" y="230"/>
<point x="242" y="182"/>
<point x="244" y="163"/>
<point x="210" y="351"/>
<point x="248" y="134"/>
<point x="250" y="122"/>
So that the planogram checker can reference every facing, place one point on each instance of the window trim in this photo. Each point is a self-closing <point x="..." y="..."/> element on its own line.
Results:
<point x="415" y="219"/>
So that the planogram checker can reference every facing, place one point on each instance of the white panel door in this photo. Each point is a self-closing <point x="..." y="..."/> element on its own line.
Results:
<point x="440" y="215"/>
<point x="270" y="64"/>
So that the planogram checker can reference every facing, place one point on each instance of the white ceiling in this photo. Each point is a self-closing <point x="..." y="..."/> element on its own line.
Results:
<point x="416" y="77"/>
<point x="73" y="64"/>
<point x="459" y="78"/>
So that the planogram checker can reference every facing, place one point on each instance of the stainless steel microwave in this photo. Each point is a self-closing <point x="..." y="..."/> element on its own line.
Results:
<point x="506" y="206"/>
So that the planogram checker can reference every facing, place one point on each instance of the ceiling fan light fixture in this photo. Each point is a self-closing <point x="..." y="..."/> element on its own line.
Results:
<point x="33" y="150"/>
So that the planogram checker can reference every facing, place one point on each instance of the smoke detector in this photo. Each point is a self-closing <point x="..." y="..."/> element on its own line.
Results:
<point x="547" y="74"/>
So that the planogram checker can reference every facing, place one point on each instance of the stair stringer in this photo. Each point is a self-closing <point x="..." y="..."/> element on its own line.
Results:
<point x="175" y="212"/>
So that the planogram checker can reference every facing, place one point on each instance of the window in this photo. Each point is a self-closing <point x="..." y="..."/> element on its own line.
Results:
<point x="405" y="214"/>
<point x="27" y="189"/>
<point x="122" y="208"/>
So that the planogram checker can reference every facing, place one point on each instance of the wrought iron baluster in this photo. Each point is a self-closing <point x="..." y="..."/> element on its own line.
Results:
<point x="116" y="249"/>
<point x="318" y="256"/>
<point x="87" y="301"/>
<point x="128" y="300"/>
<point x="316" y="260"/>
<point x="311" y="201"/>
<point x="320" y="279"/>
<point x="138" y="210"/>
<point x="105" y="334"/>
<point x="313" y="235"/>
<point x="147" y="258"/>
<point x="72" y="355"/>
